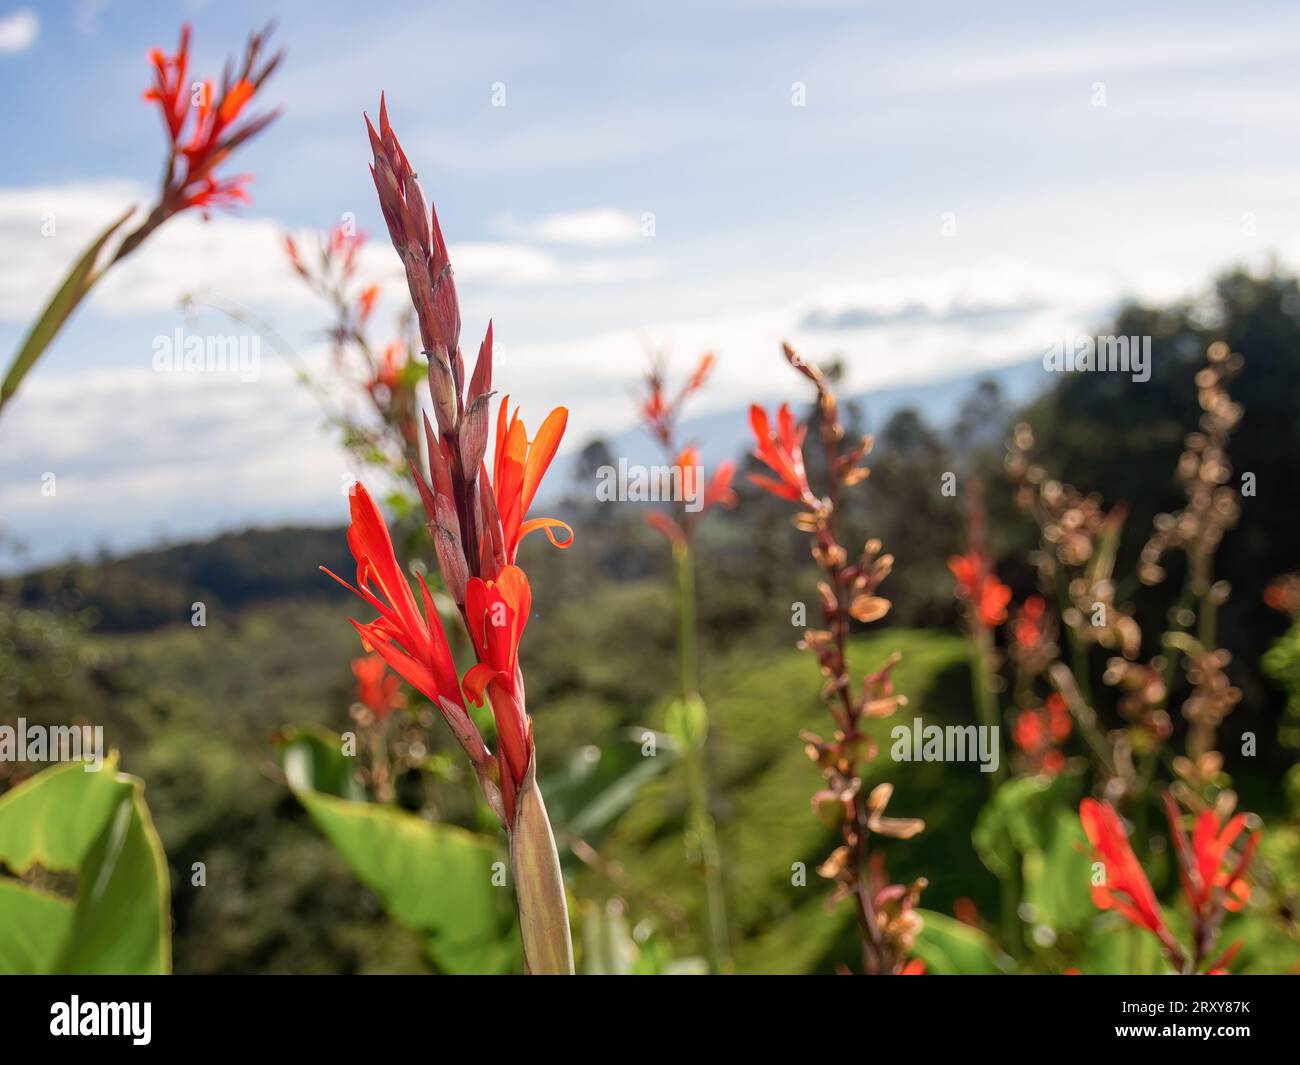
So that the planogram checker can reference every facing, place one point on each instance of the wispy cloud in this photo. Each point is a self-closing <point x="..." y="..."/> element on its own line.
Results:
<point x="599" y="227"/>
<point x="19" y="30"/>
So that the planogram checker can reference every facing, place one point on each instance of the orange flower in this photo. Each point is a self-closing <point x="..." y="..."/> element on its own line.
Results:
<point x="413" y="644"/>
<point x="1206" y="879"/>
<point x="658" y="412"/>
<point x="496" y="612"/>
<point x="699" y="498"/>
<point x="518" y="470"/>
<point x="978" y="585"/>
<point x="1125" y="887"/>
<point x="781" y="452"/>
<point x="213" y="135"/>
<point x="377" y="689"/>
<point x="1028" y="628"/>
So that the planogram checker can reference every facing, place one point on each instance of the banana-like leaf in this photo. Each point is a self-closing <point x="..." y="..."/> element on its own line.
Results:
<point x="66" y="826"/>
<point x="951" y="948"/>
<point x="80" y="279"/>
<point x="444" y="883"/>
<point x="598" y="784"/>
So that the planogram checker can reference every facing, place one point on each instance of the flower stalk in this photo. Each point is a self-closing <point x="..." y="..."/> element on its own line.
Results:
<point x="195" y="150"/>
<point x="887" y="916"/>
<point x="688" y="715"/>
<point x="477" y="523"/>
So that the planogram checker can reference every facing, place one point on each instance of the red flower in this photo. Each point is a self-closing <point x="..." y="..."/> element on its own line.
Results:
<point x="377" y="689"/>
<point x="413" y="644"/>
<point x="781" y="452"/>
<point x="388" y="374"/>
<point x="658" y="412"/>
<point x="518" y="469"/>
<point x="191" y="180"/>
<point x="978" y="585"/>
<point x="1028" y="628"/>
<point x="1059" y="723"/>
<point x="1206" y="879"/>
<point x="496" y="612"/>
<point x="699" y="498"/>
<point x="1125" y="887"/>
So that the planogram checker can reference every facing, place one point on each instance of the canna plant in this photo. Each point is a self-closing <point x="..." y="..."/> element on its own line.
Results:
<point x="887" y="914"/>
<point x="477" y="523"/>
<point x="203" y="128"/>
<point x="385" y="378"/>
<point x="1212" y="875"/>
<point x="688" y="715"/>
<point x="1053" y="698"/>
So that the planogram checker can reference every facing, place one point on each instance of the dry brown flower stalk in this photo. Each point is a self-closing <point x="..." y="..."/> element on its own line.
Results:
<point x="887" y="916"/>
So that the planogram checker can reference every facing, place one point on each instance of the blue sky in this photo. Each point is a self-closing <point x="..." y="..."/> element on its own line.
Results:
<point x="962" y="184"/>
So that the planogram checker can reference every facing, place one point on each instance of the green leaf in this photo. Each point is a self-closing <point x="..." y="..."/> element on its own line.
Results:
<point x="598" y="784"/>
<point x="1030" y="824"/>
<point x="96" y="826"/>
<point x="33" y="925"/>
<point x="70" y="293"/>
<point x="950" y="948"/>
<point x="313" y="759"/>
<point x="440" y="881"/>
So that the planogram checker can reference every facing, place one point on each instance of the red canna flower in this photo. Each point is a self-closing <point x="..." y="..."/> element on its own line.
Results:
<point x="782" y="452"/>
<point x="518" y="468"/>
<point x="412" y="643"/>
<point x="377" y="689"/>
<point x="1039" y="731"/>
<point x="1125" y="887"/>
<point x="978" y="585"/>
<point x="1211" y="875"/>
<point x="658" y="412"/>
<point x="1028" y="628"/>
<point x="191" y="179"/>
<point x="496" y="612"/>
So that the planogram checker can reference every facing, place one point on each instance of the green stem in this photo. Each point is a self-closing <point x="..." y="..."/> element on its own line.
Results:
<point x="702" y="825"/>
<point x="986" y="706"/>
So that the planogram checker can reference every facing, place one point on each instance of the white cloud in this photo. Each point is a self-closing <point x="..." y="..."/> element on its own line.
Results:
<point x="19" y="30"/>
<point x="599" y="227"/>
<point x="241" y="258"/>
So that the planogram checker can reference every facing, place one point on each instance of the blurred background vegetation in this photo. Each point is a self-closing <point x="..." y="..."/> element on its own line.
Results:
<point x="195" y="710"/>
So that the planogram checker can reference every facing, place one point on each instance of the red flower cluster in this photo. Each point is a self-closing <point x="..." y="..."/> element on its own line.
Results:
<point x="377" y="689"/>
<point x="1040" y="732"/>
<point x="1027" y="630"/>
<point x="659" y="412"/>
<point x="979" y="586"/>
<point x="1212" y="878"/>
<point x="198" y="147"/>
<point x="782" y="453"/>
<point x="659" y="416"/>
<point x="476" y="524"/>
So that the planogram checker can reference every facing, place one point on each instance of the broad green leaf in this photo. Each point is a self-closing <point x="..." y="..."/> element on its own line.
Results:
<point x="313" y="758"/>
<point x="33" y="926"/>
<point x="73" y="289"/>
<point x="950" y="948"/>
<point x="440" y="881"/>
<point x="598" y="784"/>
<point x="97" y="827"/>
<point x="608" y="948"/>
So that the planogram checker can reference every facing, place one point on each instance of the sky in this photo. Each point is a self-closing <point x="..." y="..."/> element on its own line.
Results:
<point x="925" y="190"/>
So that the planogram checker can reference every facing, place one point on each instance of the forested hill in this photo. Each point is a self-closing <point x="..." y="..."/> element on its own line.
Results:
<point x="154" y="588"/>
